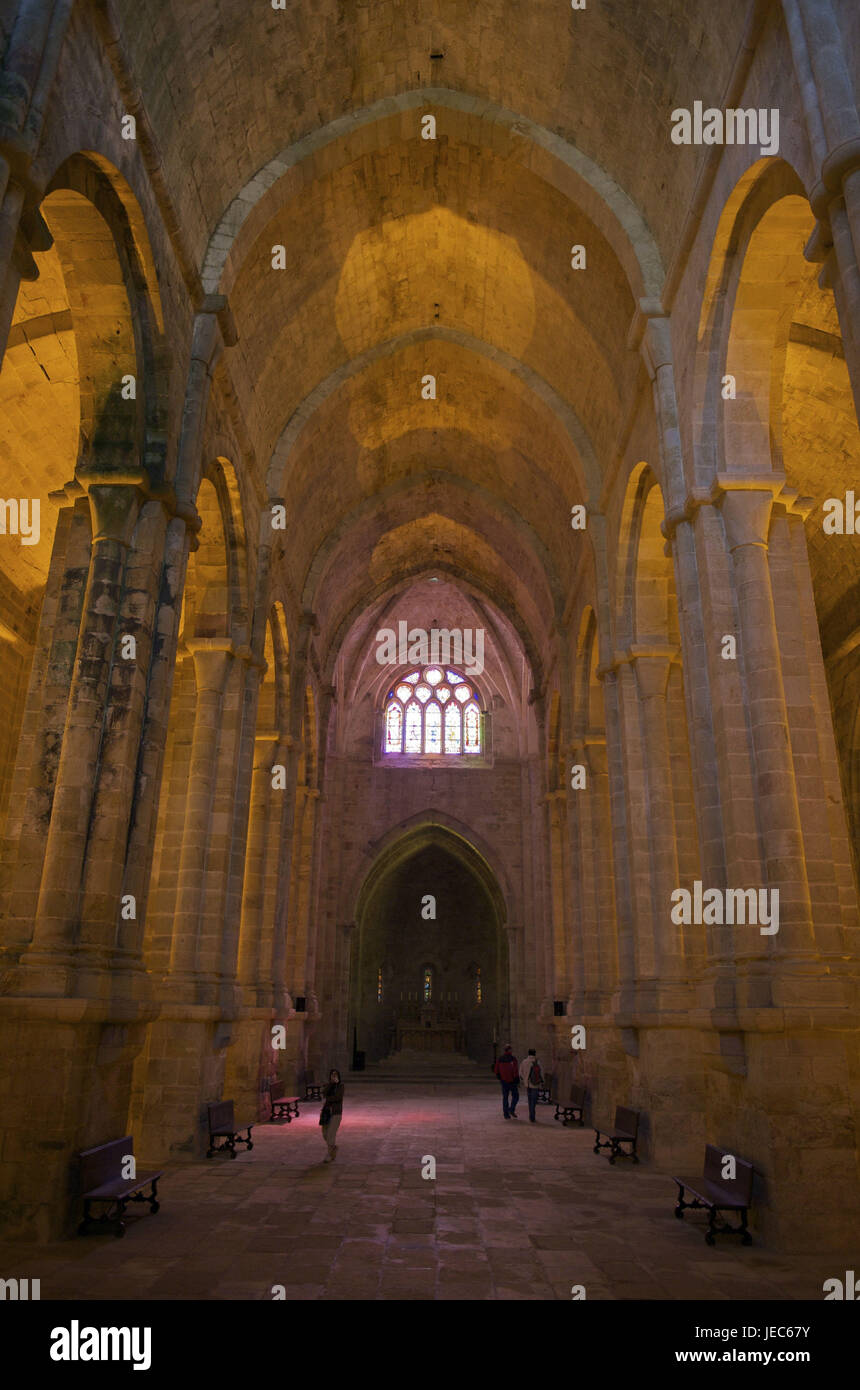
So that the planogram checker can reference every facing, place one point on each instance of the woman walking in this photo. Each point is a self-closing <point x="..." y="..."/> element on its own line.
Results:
<point x="331" y="1112"/>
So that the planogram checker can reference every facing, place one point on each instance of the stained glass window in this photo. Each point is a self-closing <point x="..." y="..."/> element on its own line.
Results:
<point x="471" y="729"/>
<point x="432" y="712"/>
<point x="427" y="989"/>
<point x="413" y="728"/>
<point x="394" y="728"/>
<point x="478" y="985"/>
<point x="433" y="729"/>
<point x="379" y="985"/>
<point x="452" y="729"/>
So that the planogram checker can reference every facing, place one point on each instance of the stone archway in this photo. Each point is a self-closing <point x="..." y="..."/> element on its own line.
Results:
<point x="429" y="983"/>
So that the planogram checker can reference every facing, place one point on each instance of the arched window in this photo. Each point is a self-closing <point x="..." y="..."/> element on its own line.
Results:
<point x="478" y="985"/>
<point x="431" y="712"/>
<point x="379" y="985"/>
<point x="427" y="984"/>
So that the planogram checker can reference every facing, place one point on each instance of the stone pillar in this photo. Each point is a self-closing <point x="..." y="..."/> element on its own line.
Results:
<point x="222" y="885"/>
<point x="566" y="961"/>
<point x="298" y="978"/>
<point x="114" y="513"/>
<point x="212" y="658"/>
<point x="256" y="929"/>
<point x="833" y="129"/>
<point x="594" y="853"/>
<point x="44" y="719"/>
<point x="108" y="934"/>
<point x="652" y="667"/>
<point x="730" y="847"/>
<point x="746" y="509"/>
<point x="622" y="859"/>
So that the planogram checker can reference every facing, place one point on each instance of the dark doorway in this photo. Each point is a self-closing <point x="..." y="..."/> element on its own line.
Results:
<point x="429" y="984"/>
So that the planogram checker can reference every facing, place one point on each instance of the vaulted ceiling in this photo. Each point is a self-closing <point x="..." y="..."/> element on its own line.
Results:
<point x="408" y="258"/>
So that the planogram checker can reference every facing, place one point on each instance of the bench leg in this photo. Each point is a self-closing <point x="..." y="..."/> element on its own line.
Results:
<point x="681" y="1205"/>
<point x="119" y="1224"/>
<point x="85" y="1224"/>
<point x="710" y="1236"/>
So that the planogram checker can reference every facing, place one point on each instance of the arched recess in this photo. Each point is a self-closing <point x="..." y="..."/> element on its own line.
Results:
<point x="766" y="321"/>
<point x="658" y="843"/>
<point x="429" y="899"/>
<point x="591" y="827"/>
<point x="589" y="717"/>
<point x="554" y="751"/>
<point x="261" y="953"/>
<point x="305" y="820"/>
<point x="81" y="391"/>
<point x="202" y="733"/>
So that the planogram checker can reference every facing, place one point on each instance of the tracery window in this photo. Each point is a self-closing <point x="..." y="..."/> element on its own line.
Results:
<point x="433" y="711"/>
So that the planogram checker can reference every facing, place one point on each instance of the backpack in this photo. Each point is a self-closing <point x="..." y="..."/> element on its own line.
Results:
<point x="535" y="1075"/>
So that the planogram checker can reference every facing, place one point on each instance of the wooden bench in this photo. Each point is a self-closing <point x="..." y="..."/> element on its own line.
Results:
<point x="283" y="1107"/>
<point x="715" y="1193"/>
<point x="624" y="1131"/>
<point x="222" y="1125"/>
<point x="102" y="1181"/>
<point x="571" y="1109"/>
<point x="313" y="1089"/>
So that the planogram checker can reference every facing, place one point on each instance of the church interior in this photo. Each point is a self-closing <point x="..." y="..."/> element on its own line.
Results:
<point x="429" y="621"/>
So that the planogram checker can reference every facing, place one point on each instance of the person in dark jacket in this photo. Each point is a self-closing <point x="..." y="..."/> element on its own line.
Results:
<point x="508" y="1071"/>
<point x="532" y="1078"/>
<point x="331" y="1113"/>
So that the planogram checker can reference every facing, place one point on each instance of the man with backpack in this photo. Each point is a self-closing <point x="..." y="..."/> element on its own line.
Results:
<point x="533" y="1078"/>
<point x="507" y="1069"/>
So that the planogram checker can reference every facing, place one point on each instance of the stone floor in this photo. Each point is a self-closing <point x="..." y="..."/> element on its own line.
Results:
<point x="517" y="1211"/>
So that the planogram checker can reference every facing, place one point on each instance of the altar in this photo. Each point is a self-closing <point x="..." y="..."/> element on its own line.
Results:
<point x="430" y="1032"/>
<point x="439" y="1037"/>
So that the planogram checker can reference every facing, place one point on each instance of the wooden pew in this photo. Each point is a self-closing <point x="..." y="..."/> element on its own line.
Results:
<point x="624" y="1131"/>
<point x="222" y="1125"/>
<point x="284" y="1107"/>
<point x="715" y="1194"/>
<point x="102" y="1182"/>
<point x="571" y="1109"/>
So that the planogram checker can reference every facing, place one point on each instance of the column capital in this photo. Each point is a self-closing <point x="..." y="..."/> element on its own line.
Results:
<point x="211" y="656"/>
<point x="114" y="506"/>
<point x="746" y="505"/>
<point x="838" y="165"/>
<point x="642" y="652"/>
<point x="773" y="484"/>
<point x="652" y="671"/>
